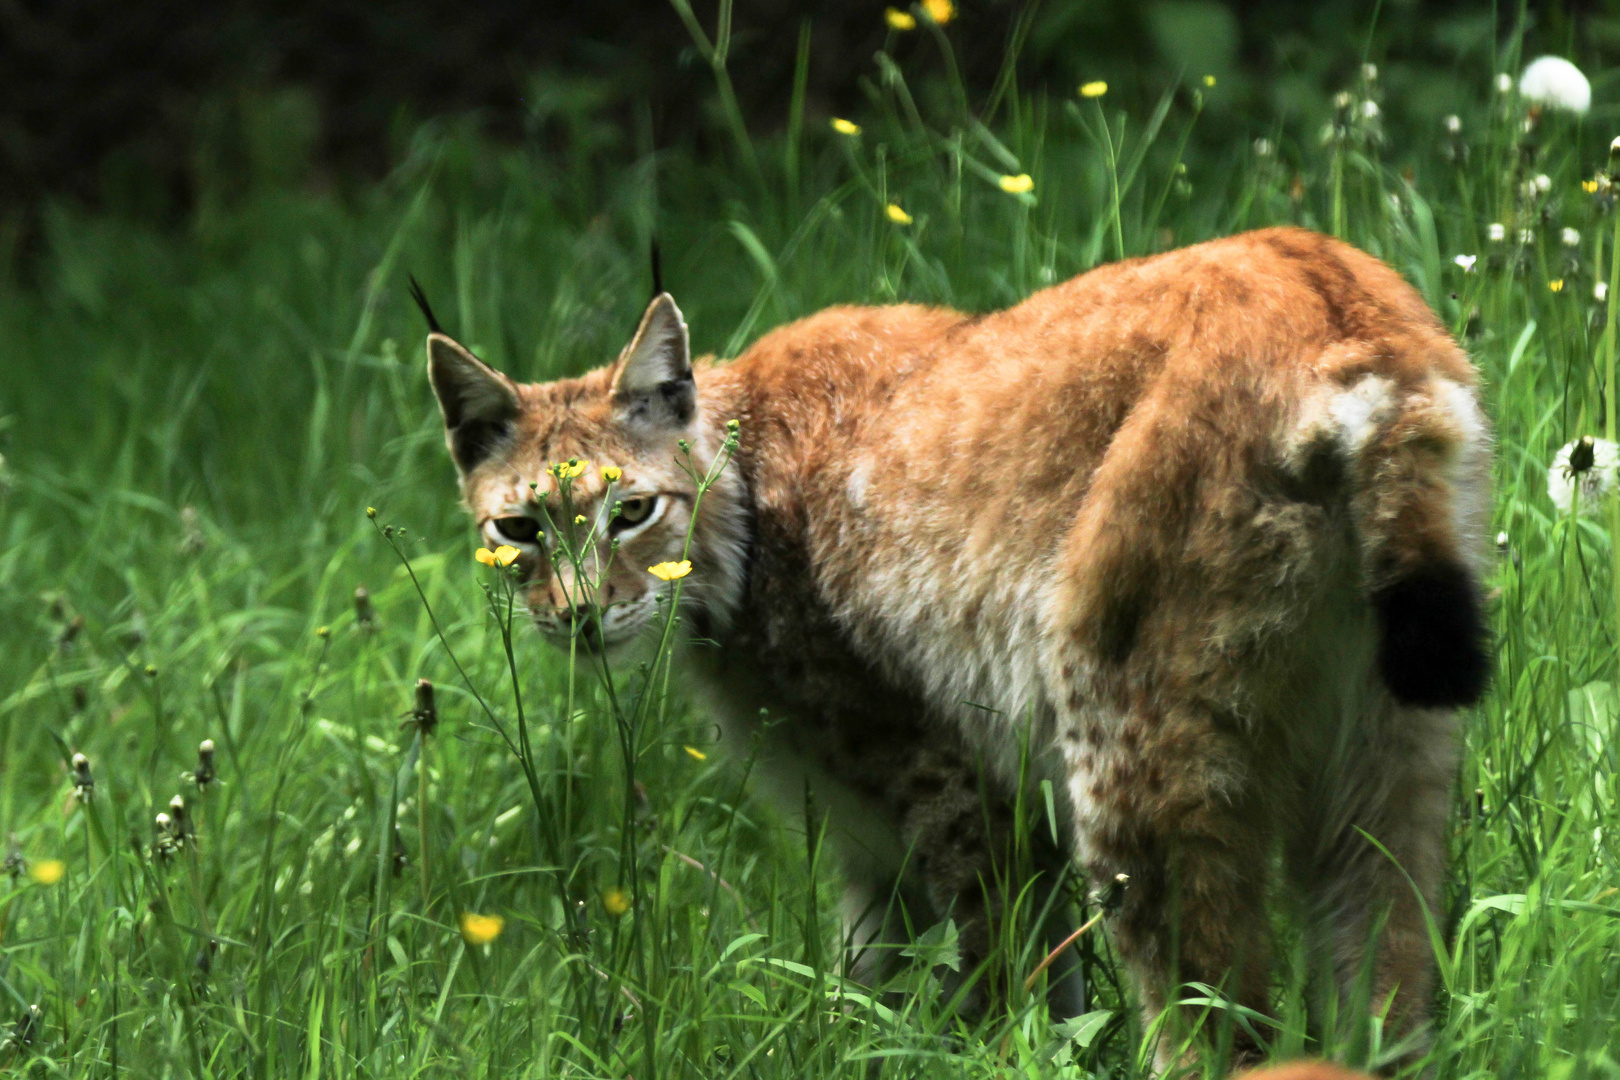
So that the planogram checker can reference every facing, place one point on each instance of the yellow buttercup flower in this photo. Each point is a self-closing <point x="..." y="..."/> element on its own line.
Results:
<point x="579" y="519"/>
<point x="899" y="20"/>
<point x="1556" y="285"/>
<point x="485" y="556"/>
<point x="941" y="11"/>
<point x="1094" y="89"/>
<point x="897" y="215"/>
<point x="572" y="469"/>
<point x="47" y="871"/>
<point x="1017" y="185"/>
<point x="481" y="929"/>
<point x="670" y="571"/>
<point x="1589" y="186"/>
<point x="616" y="901"/>
<point x="611" y="473"/>
<point x="845" y="127"/>
<point x="697" y="754"/>
<point x="506" y="555"/>
<point x="1209" y="80"/>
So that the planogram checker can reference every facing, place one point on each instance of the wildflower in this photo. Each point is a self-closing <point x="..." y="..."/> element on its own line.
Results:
<point x="1527" y="236"/>
<point x="941" y="11"/>
<point x="897" y="20"/>
<point x="371" y="511"/>
<point x="697" y="755"/>
<point x="84" y="785"/>
<point x="1263" y="148"/>
<point x="1614" y="146"/>
<point x="47" y="871"/>
<point x="572" y="469"/>
<point x="1502" y="542"/>
<point x="616" y="901"/>
<point x="1369" y="110"/>
<point x="1571" y="237"/>
<point x="1589" y="186"/>
<point x="670" y="571"/>
<point x="1096" y="88"/>
<point x="1556" y="83"/>
<point x="481" y="929"/>
<point x="1600" y="291"/>
<point x="612" y="473"/>
<point x="1369" y="72"/>
<point x="1453" y="124"/>
<point x="1466" y="262"/>
<point x="845" y="127"/>
<point x="1593" y="464"/>
<point x="1504" y="83"/>
<point x="579" y="519"/>
<point x="1496" y="231"/>
<point x="1209" y="80"/>
<point x="1543" y="183"/>
<point x="897" y="215"/>
<point x="505" y="555"/>
<point x="1556" y="284"/>
<point x="1343" y="99"/>
<point x="1016" y="185"/>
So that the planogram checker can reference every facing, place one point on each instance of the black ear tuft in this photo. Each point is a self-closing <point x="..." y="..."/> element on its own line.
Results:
<point x="657" y="268"/>
<point x="421" y="302"/>
<point x="1434" y="649"/>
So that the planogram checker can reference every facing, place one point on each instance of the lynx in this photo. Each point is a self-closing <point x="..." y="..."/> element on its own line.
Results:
<point x="1196" y="537"/>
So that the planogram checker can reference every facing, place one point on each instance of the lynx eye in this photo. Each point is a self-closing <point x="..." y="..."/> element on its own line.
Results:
<point x="633" y="512"/>
<point x="519" y="530"/>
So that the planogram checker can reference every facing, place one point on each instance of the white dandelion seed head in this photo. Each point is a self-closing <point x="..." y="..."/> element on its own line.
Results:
<point x="1369" y="110"/>
<point x="1504" y="83"/>
<point x="1556" y="83"/>
<point x="1496" y="231"/>
<point x="1263" y="148"/>
<point x="1600" y="291"/>
<point x="1453" y="124"/>
<point x="1602" y="479"/>
<point x="1543" y="183"/>
<point x="1466" y="262"/>
<point x="1571" y="237"/>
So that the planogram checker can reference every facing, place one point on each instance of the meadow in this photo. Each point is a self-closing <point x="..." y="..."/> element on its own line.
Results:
<point x="542" y="875"/>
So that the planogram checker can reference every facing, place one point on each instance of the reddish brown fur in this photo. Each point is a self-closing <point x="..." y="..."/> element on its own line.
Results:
<point x="1137" y="517"/>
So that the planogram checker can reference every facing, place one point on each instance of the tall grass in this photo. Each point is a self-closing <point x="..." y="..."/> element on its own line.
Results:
<point x="196" y="423"/>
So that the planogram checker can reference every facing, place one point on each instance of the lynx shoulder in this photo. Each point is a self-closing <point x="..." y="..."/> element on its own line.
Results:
<point x="1202" y="531"/>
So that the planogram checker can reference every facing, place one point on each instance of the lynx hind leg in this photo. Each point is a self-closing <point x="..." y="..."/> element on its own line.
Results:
<point x="1165" y="795"/>
<point x="1393" y="786"/>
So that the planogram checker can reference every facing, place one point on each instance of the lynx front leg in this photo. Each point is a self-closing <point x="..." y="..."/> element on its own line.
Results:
<point x="1167" y="797"/>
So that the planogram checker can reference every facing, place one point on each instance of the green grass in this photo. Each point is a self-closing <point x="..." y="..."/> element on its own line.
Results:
<point x="194" y="424"/>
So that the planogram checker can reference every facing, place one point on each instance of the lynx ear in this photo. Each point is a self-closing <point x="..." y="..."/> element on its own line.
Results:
<point x="652" y="380"/>
<point x="478" y="402"/>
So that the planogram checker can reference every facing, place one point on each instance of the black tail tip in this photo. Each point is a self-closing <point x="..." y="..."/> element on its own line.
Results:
<point x="1434" y="649"/>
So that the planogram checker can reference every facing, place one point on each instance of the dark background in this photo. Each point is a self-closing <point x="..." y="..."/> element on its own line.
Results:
<point x="134" y="107"/>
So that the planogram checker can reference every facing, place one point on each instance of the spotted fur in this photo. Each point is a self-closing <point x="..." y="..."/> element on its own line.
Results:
<point x="1201" y="531"/>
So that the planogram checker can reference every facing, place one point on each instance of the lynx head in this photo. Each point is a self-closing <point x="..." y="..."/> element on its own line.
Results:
<point x="612" y="439"/>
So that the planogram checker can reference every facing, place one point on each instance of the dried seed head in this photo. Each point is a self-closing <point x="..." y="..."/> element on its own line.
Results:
<point x="203" y="775"/>
<point x="1583" y="455"/>
<point x="425" y="715"/>
<point x="84" y="784"/>
<point x="365" y="616"/>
